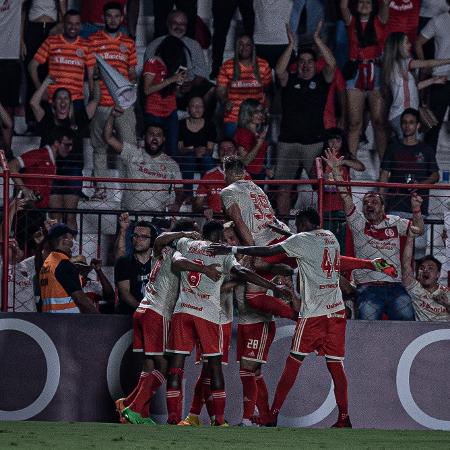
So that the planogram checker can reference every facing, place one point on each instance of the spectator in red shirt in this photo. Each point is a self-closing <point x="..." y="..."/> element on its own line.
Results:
<point x="404" y="17"/>
<point x="163" y="74"/>
<point x="250" y="138"/>
<point x="216" y="177"/>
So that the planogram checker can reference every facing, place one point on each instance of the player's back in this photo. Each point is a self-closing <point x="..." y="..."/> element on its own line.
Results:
<point x="162" y="289"/>
<point x="256" y="210"/>
<point x="317" y="253"/>
<point x="200" y="295"/>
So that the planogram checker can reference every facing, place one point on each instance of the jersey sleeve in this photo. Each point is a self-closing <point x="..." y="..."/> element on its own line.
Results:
<point x="429" y="30"/>
<point x="182" y="245"/>
<point x="228" y="199"/>
<point x="228" y="263"/>
<point x="121" y="270"/>
<point x="132" y="61"/>
<point x="176" y="174"/>
<point x="41" y="55"/>
<point x="151" y="67"/>
<point x="68" y="277"/>
<point x="403" y="226"/>
<point x="89" y="58"/>
<point x="128" y="151"/>
<point x="414" y="289"/>
<point x="293" y="245"/>
<point x="224" y="76"/>
<point x="266" y="74"/>
<point x="356" y="220"/>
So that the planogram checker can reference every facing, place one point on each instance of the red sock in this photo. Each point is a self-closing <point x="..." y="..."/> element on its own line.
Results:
<point x="148" y="388"/>
<point x="286" y="382"/>
<point x="337" y="372"/>
<point x="199" y="393"/>
<point x="219" y="398"/>
<point x="347" y="263"/>
<point x="208" y="397"/>
<point x="249" y="392"/>
<point x="262" y="399"/>
<point x="173" y="398"/>
<point x="133" y="394"/>
<point x="270" y="304"/>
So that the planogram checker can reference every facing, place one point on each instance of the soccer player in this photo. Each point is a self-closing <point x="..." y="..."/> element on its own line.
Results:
<point x="321" y="323"/>
<point x="197" y="317"/>
<point x="151" y="323"/>
<point x="248" y="207"/>
<point x="431" y="301"/>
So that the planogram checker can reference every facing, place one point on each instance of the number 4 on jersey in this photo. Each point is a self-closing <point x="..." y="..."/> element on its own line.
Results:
<point x="327" y="266"/>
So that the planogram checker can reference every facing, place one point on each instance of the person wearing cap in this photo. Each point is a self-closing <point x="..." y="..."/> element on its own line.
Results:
<point x="59" y="279"/>
<point x="377" y="235"/>
<point x="99" y="291"/>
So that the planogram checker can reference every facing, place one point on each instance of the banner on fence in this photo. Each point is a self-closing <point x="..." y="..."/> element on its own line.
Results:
<point x="70" y="368"/>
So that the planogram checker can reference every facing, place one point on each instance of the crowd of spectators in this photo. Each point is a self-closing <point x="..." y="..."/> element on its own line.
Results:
<point x="304" y="77"/>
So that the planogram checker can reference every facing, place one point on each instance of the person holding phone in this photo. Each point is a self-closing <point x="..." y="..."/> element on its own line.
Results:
<point x="163" y="76"/>
<point x="251" y="139"/>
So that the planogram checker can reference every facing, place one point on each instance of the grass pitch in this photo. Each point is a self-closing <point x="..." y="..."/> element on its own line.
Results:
<point x="67" y="436"/>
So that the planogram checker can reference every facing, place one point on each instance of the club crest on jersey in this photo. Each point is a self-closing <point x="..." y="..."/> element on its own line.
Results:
<point x="389" y="232"/>
<point x="80" y="52"/>
<point x="123" y="48"/>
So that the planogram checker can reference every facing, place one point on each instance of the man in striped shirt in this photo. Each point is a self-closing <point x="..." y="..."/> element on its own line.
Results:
<point x="68" y="57"/>
<point x="119" y="51"/>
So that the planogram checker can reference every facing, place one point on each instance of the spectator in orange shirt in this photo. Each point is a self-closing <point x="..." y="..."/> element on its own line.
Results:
<point x="68" y="57"/>
<point x="244" y="76"/>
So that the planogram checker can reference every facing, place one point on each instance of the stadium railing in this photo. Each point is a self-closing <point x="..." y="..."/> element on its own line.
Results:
<point x="98" y="220"/>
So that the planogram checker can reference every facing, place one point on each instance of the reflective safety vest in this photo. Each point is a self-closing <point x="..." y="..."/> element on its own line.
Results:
<point x="54" y="297"/>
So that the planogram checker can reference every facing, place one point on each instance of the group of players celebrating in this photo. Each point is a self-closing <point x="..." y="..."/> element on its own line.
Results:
<point x="189" y="298"/>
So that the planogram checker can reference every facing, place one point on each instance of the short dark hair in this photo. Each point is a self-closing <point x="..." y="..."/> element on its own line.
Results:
<point x="233" y="164"/>
<point x="310" y="214"/>
<point x="210" y="227"/>
<point x="411" y="112"/>
<point x="154" y="125"/>
<point x="429" y="258"/>
<point x="308" y="50"/>
<point x="72" y="12"/>
<point x="150" y="226"/>
<point x="57" y="133"/>
<point x="183" y="225"/>
<point x="112" y="5"/>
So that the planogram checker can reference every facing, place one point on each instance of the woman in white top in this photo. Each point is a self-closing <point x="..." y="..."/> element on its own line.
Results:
<point x="399" y="80"/>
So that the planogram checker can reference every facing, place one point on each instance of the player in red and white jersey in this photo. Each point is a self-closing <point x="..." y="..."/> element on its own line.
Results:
<point x="198" y="315"/>
<point x="377" y="235"/>
<point x="151" y="323"/>
<point x="247" y="205"/>
<point x="321" y="321"/>
<point x="431" y="300"/>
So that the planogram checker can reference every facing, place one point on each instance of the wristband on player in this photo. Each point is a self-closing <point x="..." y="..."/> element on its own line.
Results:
<point x="234" y="250"/>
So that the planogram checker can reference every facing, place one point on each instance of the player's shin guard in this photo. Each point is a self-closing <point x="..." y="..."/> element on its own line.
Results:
<point x="249" y="392"/>
<point x="199" y="392"/>
<point x="285" y="384"/>
<point x="262" y="398"/>
<point x="270" y="304"/>
<point x="336" y="369"/>
<point x="132" y="395"/>
<point x="219" y="398"/>
<point x="174" y="397"/>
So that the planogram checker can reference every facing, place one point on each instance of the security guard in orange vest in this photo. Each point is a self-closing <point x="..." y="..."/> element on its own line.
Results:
<point x="59" y="279"/>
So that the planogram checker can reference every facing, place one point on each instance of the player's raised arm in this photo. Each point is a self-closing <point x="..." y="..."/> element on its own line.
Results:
<point x="407" y="256"/>
<point x="269" y="250"/>
<point x="182" y="264"/>
<point x="166" y="238"/>
<point x="245" y="236"/>
<point x="251" y="277"/>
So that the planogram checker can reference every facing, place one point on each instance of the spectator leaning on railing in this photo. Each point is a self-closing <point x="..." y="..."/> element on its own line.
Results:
<point x="431" y="301"/>
<point x="377" y="235"/>
<point x="148" y="163"/>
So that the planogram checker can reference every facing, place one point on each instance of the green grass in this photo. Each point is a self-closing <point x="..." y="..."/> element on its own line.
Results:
<point x="58" y="435"/>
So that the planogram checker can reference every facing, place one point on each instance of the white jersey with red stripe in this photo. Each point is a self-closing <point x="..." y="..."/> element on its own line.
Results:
<point x="256" y="210"/>
<point x="377" y="241"/>
<point x="161" y="291"/>
<point x="199" y="295"/>
<point x="317" y="253"/>
<point x="426" y="308"/>
<point x="226" y="301"/>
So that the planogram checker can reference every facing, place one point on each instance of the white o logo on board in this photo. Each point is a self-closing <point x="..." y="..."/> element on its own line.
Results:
<point x="403" y="375"/>
<point x="320" y="413"/>
<point x="53" y="368"/>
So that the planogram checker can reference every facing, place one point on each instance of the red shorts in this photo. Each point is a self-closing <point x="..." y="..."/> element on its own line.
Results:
<point x="187" y="330"/>
<point x="150" y="332"/>
<point x="323" y="335"/>
<point x="254" y="341"/>
<point x="281" y="258"/>
<point x="226" y="333"/>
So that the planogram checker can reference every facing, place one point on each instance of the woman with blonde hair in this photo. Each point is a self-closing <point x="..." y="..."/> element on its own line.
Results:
<point x="398" y="79"/>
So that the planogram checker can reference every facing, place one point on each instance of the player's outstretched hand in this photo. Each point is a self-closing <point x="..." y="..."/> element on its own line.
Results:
<point x="381" y="265"/>
<point x="282" y="292"/>
<point x="416" y="201"/>
<point x="218" y="249"/>
<point x="279" y="230"/>
<point x="212" y="271"/>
